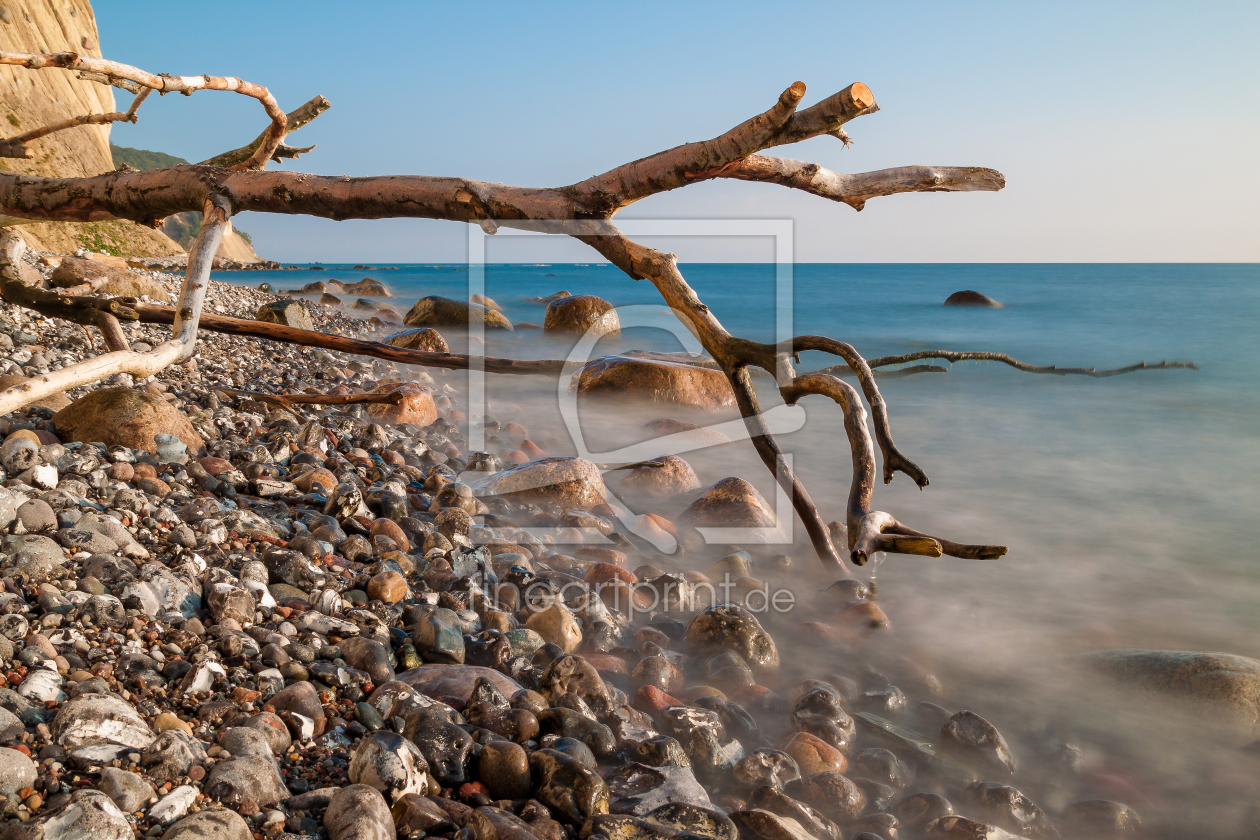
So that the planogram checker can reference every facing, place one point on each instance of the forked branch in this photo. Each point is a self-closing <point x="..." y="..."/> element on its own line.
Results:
<point x="582" y="210"/>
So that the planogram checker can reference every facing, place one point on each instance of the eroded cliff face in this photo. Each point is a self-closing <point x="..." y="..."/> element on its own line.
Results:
<point x="33" y="98"/>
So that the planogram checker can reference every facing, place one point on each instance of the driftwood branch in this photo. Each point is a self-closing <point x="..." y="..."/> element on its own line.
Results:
<point x="584" y="210"/>
<point x="289" y="400"/>
<point x="15" y="147"/>
<point x="871" y="531"/>
<point x="113" y="71"/>
<point x="295" y="119"/>
<point x="952" y="356"/>
<point x="178" y="349"/>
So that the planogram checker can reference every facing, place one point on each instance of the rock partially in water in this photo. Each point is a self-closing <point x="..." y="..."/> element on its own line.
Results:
<point x="660" y="478"/>
<point x="729" y="627"/>
<point x="765" y="767"/>
<point x="1101" y="819"/>
<point x="563" y="481"/>
<point x="636" y="788"/>
<point x="1007" y="808"/>
<point x="730" y="503"/>
<point x="424" y="338"/>
<point x="416" y="407"/>
<point x="810" y="818"/>
<point x="1222" y="682"/>
<point x="972" y="740"/>
<point x="649" y="380"/>
<point x="836" y="796"/>
<point x="581" y="314"/>
<point x="435" y="311"/>
<point x="969" y="297"/>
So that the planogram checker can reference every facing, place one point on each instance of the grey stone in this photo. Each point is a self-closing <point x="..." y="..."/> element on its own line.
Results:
<point x="246" y="777"/>
<point x="97" y="719"/>
<point x="636" y="788"/>
<point x="16" y="771"/>
<point x="214" y="823"/>
<point x="84" y="815"/>
<point x="129" y="792"/>
<point x="286" y="311"/>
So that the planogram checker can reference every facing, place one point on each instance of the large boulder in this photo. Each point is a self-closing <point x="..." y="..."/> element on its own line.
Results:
<point x="124" y="417"/>
<point x="287" y="312"/>
<point x="417" y="406"/>
<point x="971" y="298"/>
<point x="55" y="402"/>
<point x="1222" y="682"/>
<point x="107" y="279"/>
<point x="434" y="311"/>
<point x="730" y="503"/>
<point x="581" y="314"/>
<point x="244" y="777"/>
<point x="563" y="481"/>
<point x="424" y="338"/>
<point x="653" y="380"/>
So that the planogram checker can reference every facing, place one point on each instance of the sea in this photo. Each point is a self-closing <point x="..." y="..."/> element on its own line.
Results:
<point x="1130" y="504"/>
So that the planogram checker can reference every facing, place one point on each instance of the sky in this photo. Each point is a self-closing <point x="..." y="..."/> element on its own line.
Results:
<point x="1127" y="131"/>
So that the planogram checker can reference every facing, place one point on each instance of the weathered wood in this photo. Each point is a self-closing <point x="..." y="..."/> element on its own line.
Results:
<point x="295" y="119"/>
<point x="583" y="210"/>
<point x="154" y="314"/>
<point x="113" y="71"/>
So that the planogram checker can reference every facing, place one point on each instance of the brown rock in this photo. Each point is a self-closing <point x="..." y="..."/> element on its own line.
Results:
<point x="416" y="408"/>
<point x="731" y="502"/>
<point x="316" y="479"/>
<point x="55" y="402"/>
<point x="108" y="279"/>
<point x="672" y="383"/>
<point x="287" y="312"/>
<point x="389" y="528"/>
<point x="435" y="311"/>
<point x="300" y="698"/>
<point x="814" y="755"/>
<point x="568" y="482"/>
<point x="660" y="477"/>
<point x="122" y="416"/>
<point x="425" y="338"/>
<point x="581" y="314"/>
<point x="390" y="587"/>
<point x="836" y="796"/>
<point x="440" y="680"/>
<point x="369" y="288"/>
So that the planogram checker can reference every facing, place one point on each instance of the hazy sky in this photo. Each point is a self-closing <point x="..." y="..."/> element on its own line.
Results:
<point x="1127" y="131"/>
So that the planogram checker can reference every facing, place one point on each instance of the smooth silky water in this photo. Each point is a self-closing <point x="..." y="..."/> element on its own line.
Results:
<point x="1129" y="503"/>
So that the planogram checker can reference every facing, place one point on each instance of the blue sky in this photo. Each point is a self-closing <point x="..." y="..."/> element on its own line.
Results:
<point x="1127" y="131"/>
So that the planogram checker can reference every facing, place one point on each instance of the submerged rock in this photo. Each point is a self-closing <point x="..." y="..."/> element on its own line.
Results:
<point x="971" y="298"/>
<point x="1223" y="682"/>
<point x="650" y="380"/>
<point x="568" y="482"/>
<point x="424" y="338"/>
<point x="435" y="311"/>
<point x="730" y="503"/>
<point x="581" y="314"/>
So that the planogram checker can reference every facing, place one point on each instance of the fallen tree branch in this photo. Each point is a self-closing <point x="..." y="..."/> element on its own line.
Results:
<point x="871" y="531"/>
<point x="178" y="349"/>
<point x="112" y="71"/>
<point x="295" y="119"/>
<point x="584" y="209"/>
<point x="153" y="314"/>
<point x="952" y="356"/>
<point x="288" y="400"/>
